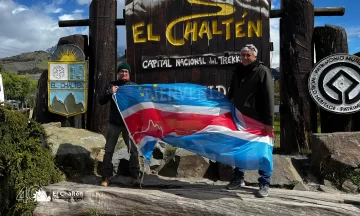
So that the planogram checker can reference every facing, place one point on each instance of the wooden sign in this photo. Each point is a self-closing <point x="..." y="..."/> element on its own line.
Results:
<point x="182" y="40"/>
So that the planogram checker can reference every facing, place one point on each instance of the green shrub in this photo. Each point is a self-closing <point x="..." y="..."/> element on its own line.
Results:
<point x="24" y="162"/>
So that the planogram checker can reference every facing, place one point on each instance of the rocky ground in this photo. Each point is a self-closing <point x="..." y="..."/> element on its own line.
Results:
<point x="181" y="183"/>
<point x="166" y="196"/>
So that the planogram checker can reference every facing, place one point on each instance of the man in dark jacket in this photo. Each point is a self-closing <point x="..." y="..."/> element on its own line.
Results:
<point x="117" y="126"/>
<point x="252" y="92"/>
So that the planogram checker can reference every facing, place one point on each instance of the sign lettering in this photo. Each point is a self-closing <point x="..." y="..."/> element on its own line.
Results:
<point x="190" y="61"/>
<point x="66" y="85"/>
<point x="195" y="30"/>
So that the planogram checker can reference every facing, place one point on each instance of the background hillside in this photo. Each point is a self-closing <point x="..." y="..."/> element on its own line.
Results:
<point x="32" y="64"/>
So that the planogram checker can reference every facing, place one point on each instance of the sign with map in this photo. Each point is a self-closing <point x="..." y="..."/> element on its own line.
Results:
<point x="67" y="83"/>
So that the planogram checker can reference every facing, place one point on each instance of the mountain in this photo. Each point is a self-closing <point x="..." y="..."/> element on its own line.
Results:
<point x="121" y="50"/>
<point x="31" y="63"/>
<point x="51" y="49"/>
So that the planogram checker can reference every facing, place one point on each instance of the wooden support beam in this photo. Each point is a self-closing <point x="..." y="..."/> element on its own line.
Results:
<point x="71" y="23"/>
<point x="84" y="22"/>
<point x="326" y="11"/>
<point x="329" y="11"/>
<point x="296" y="59"/>
<point x="102" y="64"/>
<point x="356" y="120"/>
<point x="330" y="40"/>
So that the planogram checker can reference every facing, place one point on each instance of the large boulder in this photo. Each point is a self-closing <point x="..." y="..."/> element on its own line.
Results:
<point x="73" y="147"/>
<point x="81" y="150"/>
<point x="284" y="173"/>
<point x="185" y="164"/>
<point x="336" y="156"/>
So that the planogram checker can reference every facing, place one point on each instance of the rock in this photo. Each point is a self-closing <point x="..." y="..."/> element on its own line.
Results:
<point x="328" y="189"/>
<point x="327" y="183"/>
<point x="301" y="187"/>
<point x="91" y="180"/>
<point x="348" y="186"/>
<point x="185" y="164"/>
<point x="120" y="161"/>
<point x="195" y="199"/>
<point x="334" y="153"/>
<point x="122" y="167"/>
<point x="156" y="164"/>
<point x="225" y="172"/>
<point x="52" y="124"/>
<point x="284" y="173"/>
<point x="98" y="154"/>
<point x="72" y="147"/>
<point x="159" y="151"/>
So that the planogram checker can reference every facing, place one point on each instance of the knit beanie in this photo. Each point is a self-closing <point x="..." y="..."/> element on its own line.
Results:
<point x="124" y="66"/>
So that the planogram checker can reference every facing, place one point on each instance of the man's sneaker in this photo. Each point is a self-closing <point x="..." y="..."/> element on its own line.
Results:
<point x="263" y="191"/>
<point x="106" y="181"/>
<point x="235" y="183"/>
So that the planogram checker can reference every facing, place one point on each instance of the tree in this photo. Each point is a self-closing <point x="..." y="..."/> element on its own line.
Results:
<point x="18" y="87"/>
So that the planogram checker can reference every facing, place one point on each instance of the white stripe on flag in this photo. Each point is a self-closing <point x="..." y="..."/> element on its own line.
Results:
<point x="237" y="134"/>
<point x="215" y="111"/>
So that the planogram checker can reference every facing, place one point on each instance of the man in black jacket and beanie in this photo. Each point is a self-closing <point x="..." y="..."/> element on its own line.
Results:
<point x="117" y="126"/>
<point x="252" y="92"/>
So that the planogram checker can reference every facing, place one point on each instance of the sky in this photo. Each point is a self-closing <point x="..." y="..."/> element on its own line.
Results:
<point x="32" y="25"/>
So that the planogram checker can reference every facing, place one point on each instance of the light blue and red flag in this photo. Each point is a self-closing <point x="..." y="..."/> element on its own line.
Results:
<point x="195" y="118"/>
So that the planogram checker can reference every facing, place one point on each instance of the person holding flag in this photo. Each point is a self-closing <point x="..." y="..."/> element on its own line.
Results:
<point x="117" y="126"/>
<point x="252" y="93"/>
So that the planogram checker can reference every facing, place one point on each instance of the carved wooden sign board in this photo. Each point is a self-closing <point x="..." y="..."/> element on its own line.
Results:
<point x="193" y="41"/>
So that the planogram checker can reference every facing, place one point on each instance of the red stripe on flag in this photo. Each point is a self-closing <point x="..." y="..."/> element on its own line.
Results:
<point x="148" y="122"/>
<point x="158" y="123"/>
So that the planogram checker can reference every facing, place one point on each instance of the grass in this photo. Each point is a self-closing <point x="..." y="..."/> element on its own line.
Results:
<point x="169" y="152"/>
<point x="43" y="64"/>
<point x="277" y="130"/>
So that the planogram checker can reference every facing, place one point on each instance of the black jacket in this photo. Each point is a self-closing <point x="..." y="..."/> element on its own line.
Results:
<point x="252" y="91"/>
<point x="115" y="117"/>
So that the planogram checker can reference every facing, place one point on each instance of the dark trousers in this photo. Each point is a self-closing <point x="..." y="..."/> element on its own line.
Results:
<point x="264" y="178"/>
<point x="112" y="136"/>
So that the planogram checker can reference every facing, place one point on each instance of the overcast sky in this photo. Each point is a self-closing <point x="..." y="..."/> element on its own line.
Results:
<point x="30" y="25"/>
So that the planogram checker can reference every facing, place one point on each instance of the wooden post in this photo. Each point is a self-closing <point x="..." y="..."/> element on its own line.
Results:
<point x="102" y="63"/>
<point x="296" y="29"/>
<point x="327" y="11"/>
<point x="329" y="40"/>
<point x="356" y="116"/>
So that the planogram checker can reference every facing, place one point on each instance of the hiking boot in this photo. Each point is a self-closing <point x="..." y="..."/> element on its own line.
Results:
<point x="263" y="191"/>
<point x="106" y="181"/>
<point x="235" y="183"/>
